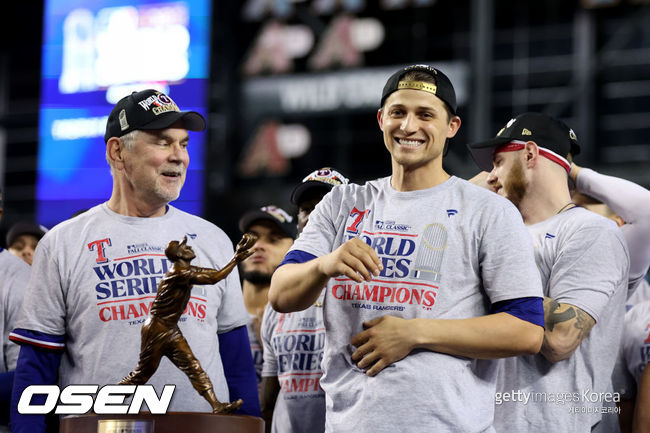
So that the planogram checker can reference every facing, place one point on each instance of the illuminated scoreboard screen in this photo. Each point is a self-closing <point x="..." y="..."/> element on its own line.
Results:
<point x="94" y="53"/>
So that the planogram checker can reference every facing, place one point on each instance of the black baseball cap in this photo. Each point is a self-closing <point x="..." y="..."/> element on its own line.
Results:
<point x="553" y="137"/>
<point x="149" y="109"/>
<point x="323" y="179"/>
<point x="442" y="88"/>
<point x="24" y="228"/>
<point x="269" y="213"/>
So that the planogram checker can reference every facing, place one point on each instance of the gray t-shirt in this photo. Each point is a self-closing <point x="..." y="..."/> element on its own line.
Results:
<point x="293" y="350"/>
<point x="14" y="274"/>
<point x="256" y="352"/>
<point x="447" y="253"/>
<point x="93" y="280"/>
<point x="583" y="261"/>
<point x="640" y="294"/>
<point x="635" y="345"/>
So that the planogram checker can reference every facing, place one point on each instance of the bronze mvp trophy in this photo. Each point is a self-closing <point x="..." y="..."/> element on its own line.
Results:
<point x="162" y="337"/>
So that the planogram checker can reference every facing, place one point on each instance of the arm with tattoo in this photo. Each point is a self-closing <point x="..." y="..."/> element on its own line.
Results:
<point x="566" y="327"/>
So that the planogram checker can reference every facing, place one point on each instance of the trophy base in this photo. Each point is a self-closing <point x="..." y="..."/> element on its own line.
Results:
<point x="172" y="422"/>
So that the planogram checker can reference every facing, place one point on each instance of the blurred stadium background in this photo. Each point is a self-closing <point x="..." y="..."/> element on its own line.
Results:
<point x="292" y="86"/>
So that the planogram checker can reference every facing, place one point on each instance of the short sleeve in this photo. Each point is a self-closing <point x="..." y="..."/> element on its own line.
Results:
<point x="506" y="256"/>
<point x="589" y="268"/>
<point x="44" y="307"/>
<point x="269" y="321"/>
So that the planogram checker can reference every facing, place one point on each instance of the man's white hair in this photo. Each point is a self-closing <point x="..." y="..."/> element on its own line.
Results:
<point x="128" y="140"/>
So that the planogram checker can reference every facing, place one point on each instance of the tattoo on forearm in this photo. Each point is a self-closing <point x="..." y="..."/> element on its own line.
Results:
<point x="552" y="317"/>
<point x="583" y="323"/>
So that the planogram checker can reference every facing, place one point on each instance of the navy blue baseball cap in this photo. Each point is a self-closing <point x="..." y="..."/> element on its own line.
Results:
<point x="25" y="228"/>
<point x="149" y="109"/>
<point x="269" y="213"/>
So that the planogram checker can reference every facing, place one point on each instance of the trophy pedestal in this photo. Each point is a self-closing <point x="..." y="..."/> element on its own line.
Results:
<point x="173" y="422"/>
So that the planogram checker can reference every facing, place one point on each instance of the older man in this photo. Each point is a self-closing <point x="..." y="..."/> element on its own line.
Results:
<point x="95" y="276"/>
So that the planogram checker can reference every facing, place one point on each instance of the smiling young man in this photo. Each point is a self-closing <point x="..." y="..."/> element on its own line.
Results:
<point x="583" y="262"/>
<point x="413" y="264"/>
<point x="95" y="276"/>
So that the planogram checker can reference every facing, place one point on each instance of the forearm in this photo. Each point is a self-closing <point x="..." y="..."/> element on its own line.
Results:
<point x="481" y="180"/>
<point x="625" y="415"/>
<point x="35" y="366"/>
<point x="492" y="336"/>
<point x="6" y="384"/>
<point x="641" y="422"/>
<point x="270" y="390"/>
<point x="627" y="199"/>
<point x="237" y="361"/>
<point x="211" y="276"/>
<point x="566" y="327"/>
<point x="296" y="286"/>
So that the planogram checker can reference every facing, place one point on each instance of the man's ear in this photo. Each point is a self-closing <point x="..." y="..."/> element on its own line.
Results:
<point x="531" y="154"/>
<point x="115" y="152"/>
<point x="379" y="119"/>
<point x="453" y="126"/>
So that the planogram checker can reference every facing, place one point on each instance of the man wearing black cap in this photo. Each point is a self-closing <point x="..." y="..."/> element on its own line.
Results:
<point x="292" y="399"/>
<point x="95" y="275"/>
<point x="583" y="262"/>
<point x="14" y="274"/>
<point x="418" y="260"/>
<point x="311" y="191"/>
<point x="22" y="239"/>
<point x="275" y="231"/>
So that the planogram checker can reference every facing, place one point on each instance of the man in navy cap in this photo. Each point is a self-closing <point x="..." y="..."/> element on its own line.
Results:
<point x="22" y="239"/>
<point x="95" y="275"/>
<point x="275" y="230"/>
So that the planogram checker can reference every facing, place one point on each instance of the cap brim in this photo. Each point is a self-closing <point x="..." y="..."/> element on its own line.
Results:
<point x="246" y="220"/>
<point x="192" y="121"/>
<point x="303" y="188"/>
<point x="483" y="151"/>
<point x="249" y="218"/>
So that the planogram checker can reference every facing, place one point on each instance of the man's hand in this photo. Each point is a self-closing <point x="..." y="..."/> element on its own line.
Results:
<point x="386" y="340"/>
<point x="244" y="247"/>
<point x="481" y="180"/>
<point x="573" y="173"/>
<point x="354" y="259"/>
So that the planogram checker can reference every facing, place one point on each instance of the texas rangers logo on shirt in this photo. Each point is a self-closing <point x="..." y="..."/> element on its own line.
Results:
<point x="358" y="216"/>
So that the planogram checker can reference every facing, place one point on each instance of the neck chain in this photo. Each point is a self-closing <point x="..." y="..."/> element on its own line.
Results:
<point x="565" y="207"/>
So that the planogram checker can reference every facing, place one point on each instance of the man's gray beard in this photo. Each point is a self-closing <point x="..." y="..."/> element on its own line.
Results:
<point x="258" y="278"/>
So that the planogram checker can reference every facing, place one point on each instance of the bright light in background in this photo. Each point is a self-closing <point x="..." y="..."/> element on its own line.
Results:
<point x="94" y="53"/>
